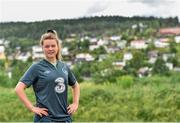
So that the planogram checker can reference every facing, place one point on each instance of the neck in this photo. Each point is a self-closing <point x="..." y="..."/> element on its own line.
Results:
<point x="51" y="60"/>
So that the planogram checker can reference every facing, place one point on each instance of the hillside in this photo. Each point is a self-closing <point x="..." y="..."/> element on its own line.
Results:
<point x="83" y="26"/>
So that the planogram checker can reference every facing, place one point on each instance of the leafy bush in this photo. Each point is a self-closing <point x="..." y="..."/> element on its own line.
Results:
<point x="5" y="81"/>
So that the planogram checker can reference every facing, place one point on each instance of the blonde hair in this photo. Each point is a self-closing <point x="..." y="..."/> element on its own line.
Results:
<point x="52" y="34"/>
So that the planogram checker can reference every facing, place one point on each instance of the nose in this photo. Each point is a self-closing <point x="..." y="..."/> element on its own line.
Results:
<point x="50" y="47"/>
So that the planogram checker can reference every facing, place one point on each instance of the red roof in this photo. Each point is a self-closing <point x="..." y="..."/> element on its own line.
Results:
<point x="171" y="31"/>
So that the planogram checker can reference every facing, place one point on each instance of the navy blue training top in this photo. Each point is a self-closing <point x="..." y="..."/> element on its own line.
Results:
<point x="50" y="85"/>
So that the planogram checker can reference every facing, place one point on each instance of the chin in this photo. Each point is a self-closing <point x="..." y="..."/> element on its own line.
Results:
<point x="50" y="57"/>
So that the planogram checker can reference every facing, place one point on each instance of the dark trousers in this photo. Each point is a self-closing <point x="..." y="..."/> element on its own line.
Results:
<point x="38" y="119"/>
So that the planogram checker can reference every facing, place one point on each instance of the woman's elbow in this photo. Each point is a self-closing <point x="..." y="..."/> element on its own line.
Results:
<point x="19" y="87"/>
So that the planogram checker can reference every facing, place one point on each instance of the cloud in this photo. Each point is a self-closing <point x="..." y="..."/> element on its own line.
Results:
<point x="153" y="3"/>
<point x="97" y="7"/>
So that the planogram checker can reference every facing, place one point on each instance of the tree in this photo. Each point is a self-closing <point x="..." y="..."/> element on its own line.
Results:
<point x="160" y="67"/>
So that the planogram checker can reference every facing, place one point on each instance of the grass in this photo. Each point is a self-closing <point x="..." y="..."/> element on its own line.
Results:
<point x="108" y="102"/>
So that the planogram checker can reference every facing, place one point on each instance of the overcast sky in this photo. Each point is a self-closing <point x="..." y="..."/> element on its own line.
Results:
<point x="38" y="10"/>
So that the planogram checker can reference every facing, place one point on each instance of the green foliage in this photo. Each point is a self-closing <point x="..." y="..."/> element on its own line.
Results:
<point x="11" y="107"/>
<point x="109" y="103"/>
<point x="101" y="25"/>
<point x="98" y="51"/>
<point x="4" y="82"/>
<point x="159" y="67"/>
<point x="18" y="70"/>
<point x="173" y="47"/>
<point x="125" y="81"/>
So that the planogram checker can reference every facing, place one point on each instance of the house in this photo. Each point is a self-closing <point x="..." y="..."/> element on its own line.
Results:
<point x="23" y="56"/>
<point x="111" y="49"/>
<point x="119" y="64"/>
<point x="97" y="44"/>
<point x="166" y="56"/>
<point x="144" y="71"/>
<point x="161" y="43"/>
<point x="93" y="40"/>
<point x="2" y="53"/>
<point x="152" y="55"/>
<point x="115" y="38"/>
<point x="121" y="44"/>
<point x="138" y="44"/>
<point x="177" y="39"/>
<point x="169" y="65"/>
<point x="127" y="56"/>
<point x="177" y="69"/>
<point x="85" y="38"/>
<point x="102" y="42"/>
<point x="93" y="47"/>
<point x="37" y="53"/>
<point x="65" y="51"/>
<point x="70" y="39"/>
<point x="170" y="31"/>
<point x="84" y="57"/>
<point x="1" y="42"/>
<point x="102" y="57"/>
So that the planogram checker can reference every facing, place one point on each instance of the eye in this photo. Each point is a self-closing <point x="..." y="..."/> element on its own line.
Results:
<point x="46" y="46"/>
<point x="53" y="46"/>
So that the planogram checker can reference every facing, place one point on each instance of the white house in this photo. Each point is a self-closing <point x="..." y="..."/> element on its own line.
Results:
<point x="37" y="53"/>
<point x="127" y="56"/>
<point x="121" y="44"/>
<point x="65" y="51"/>
<point x="115" y="38"/>
<point x="1" y="41"/>
<point x="166" y="56"/>
<point x="177" y="39"/>
<point x="169" y="65"/>
<point x="2" y="49"/>
<point x="93" y="40"/>
<point x="119" y="64"/>
<point x="144" y="71"/>
<point x="23" y="56"/>
<point x="138" y="44"/>
<point x="84" y="57"/>
<point x="102" y="42"/>
<point x="152" y="55"/>
<point x="161" y="43"/>
<point x="111" y="49"/>
<point x="93" y="47"/>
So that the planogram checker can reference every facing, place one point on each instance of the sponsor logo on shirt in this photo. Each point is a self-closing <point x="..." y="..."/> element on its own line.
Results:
<point x="47" y="71"/>
<point x="60" y="87"/>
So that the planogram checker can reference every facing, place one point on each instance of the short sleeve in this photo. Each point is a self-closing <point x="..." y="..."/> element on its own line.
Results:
<point x="71" y="78"/>
<point x="29" y="76"/>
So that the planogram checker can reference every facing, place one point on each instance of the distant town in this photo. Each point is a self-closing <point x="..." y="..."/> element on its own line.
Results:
<point x="111" y="44"/>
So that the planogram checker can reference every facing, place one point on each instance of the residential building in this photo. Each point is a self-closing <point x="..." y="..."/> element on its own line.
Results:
<point x="138" y="44"/>
<point x="37" y="53"/>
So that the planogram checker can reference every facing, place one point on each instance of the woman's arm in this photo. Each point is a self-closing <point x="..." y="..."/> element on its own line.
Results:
<point x="76" y="94"/>
<point x="20" y="91"/>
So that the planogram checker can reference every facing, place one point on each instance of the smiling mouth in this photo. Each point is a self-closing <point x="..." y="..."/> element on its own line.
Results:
<point x="50" y="53"/>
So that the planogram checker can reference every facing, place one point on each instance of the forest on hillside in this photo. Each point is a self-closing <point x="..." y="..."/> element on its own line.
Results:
<point x="105" y="25"/>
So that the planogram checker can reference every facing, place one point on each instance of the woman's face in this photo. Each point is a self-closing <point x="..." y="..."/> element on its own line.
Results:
<point x="50" y="48"/>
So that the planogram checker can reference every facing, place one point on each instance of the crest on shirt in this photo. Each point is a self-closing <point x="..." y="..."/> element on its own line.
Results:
<point x="64" y="71"/>
<point x="60" y="87"/>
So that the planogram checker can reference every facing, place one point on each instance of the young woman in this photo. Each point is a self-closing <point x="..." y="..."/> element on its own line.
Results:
<point x="50" y="78"/>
